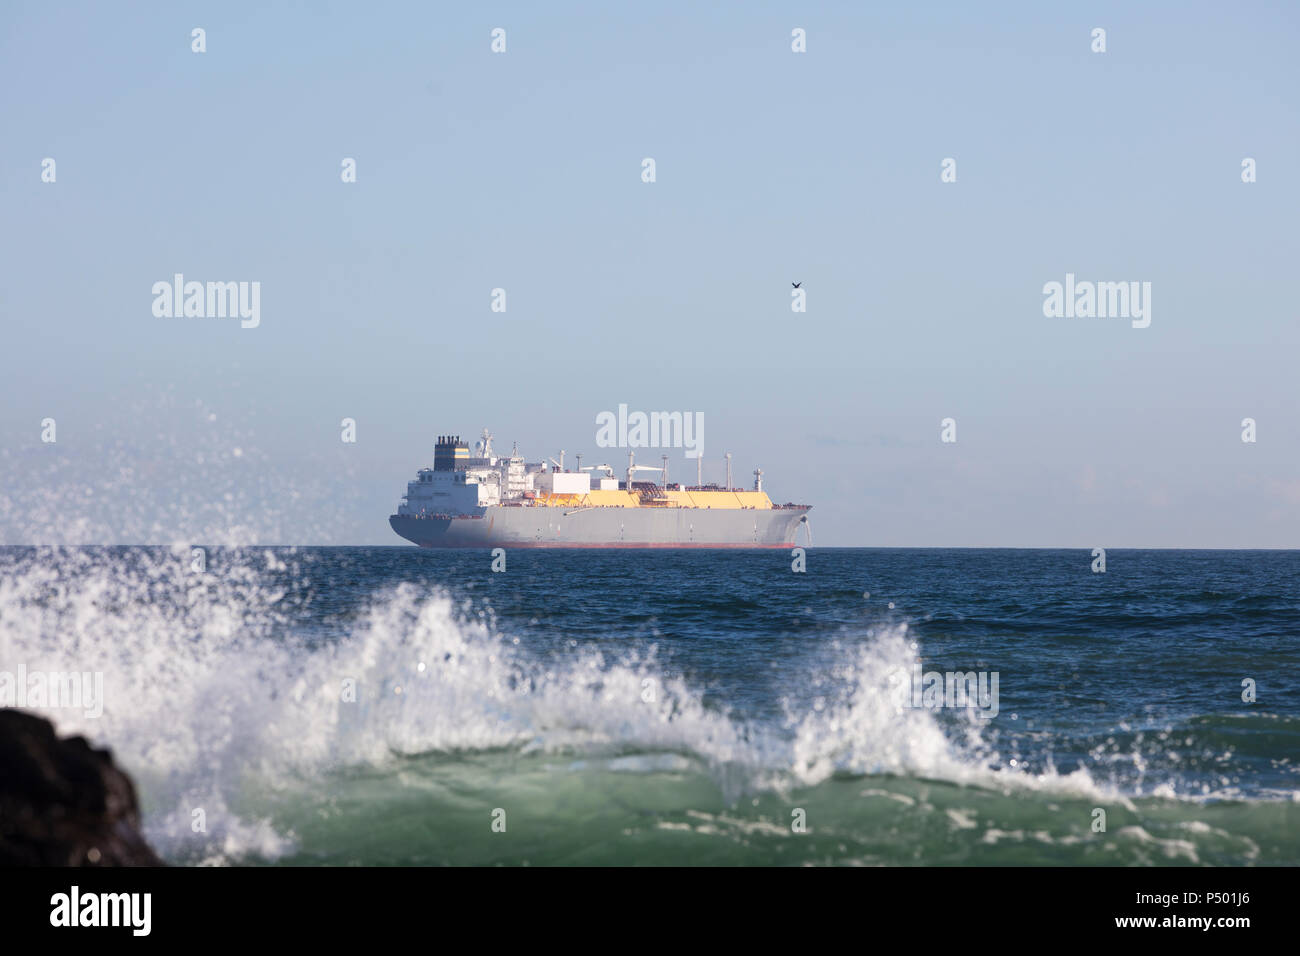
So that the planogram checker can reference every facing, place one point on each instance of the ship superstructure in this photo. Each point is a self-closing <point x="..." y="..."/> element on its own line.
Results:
<point x="486" y="500"/>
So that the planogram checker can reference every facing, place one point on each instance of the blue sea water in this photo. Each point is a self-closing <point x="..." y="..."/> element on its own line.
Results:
<point x="400" y="706"/>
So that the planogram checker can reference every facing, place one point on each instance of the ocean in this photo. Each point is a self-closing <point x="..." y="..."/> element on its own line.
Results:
<point x="391" y="705"/>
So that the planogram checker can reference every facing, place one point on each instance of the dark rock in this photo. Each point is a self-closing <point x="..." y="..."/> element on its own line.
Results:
<point x="62" y="802"/>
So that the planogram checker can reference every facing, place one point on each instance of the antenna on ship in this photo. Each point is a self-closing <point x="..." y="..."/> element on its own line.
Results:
<point x="758" y="479"/>
<point x="631" y="468"/>
<point x="728" y="457"/>
<point x="579" y="463"/>
<point x="664" y="482"/>
<point x="699" y="469"/>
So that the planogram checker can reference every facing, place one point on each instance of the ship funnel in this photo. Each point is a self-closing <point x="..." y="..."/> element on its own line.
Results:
<point x="450" y="453"/>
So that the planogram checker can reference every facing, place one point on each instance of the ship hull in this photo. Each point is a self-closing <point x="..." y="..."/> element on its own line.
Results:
<point x="507" y="527"/>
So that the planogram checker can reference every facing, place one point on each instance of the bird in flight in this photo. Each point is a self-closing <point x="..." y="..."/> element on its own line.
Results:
<point x="796" y="284"/>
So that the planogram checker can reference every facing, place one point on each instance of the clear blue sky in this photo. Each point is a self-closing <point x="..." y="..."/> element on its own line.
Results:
<point x="522" y="171"/>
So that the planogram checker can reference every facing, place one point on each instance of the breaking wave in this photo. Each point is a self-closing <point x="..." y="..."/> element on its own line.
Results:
<point x="265" y="721"/>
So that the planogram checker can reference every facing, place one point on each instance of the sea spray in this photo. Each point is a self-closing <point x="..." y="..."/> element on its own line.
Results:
<point x="273" y="708"/>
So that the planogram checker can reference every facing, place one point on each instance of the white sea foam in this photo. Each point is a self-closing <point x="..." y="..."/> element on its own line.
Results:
<point x="213" y="696"/>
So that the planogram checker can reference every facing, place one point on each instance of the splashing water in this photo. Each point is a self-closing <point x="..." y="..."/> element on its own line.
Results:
<point x="266" y="716"/>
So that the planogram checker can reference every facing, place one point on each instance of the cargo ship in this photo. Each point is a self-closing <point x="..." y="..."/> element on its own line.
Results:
<point x="486" y="501"/>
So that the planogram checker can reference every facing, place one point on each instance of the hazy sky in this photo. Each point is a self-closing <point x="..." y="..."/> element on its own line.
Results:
<point x="523" y="170"/>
